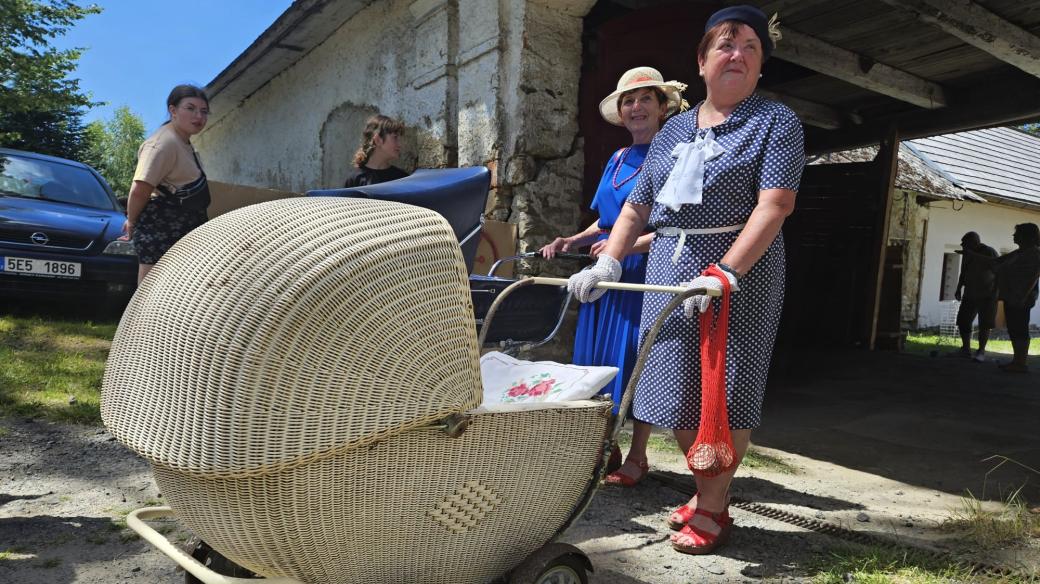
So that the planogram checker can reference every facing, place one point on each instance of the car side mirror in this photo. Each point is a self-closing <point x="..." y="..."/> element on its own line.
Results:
<point x="122" y="200"/>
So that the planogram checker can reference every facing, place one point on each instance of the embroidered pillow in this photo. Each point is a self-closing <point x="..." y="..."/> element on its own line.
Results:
<point x="507" y="380"/>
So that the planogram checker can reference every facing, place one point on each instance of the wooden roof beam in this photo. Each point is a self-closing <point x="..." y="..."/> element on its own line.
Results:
<point x="994" y="104"/>
<point x="812" y="113"/>
<point x="783" y="7"/>
<point x="860" y="70"/>
<point x="979" y="28"/>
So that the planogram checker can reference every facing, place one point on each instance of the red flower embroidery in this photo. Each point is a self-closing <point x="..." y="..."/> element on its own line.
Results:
<point x="518" y="390"/>
<point x="542" y="388"/>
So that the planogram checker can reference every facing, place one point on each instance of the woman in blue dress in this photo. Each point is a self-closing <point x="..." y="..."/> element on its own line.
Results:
<point x="608" y="330"/>
<point x="717" y="184"/>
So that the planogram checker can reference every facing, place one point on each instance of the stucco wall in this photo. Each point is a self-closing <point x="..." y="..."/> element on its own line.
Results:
<point x="948" y="222"/>
<point x="384" y="58"/>
<point x="492" y="82"/>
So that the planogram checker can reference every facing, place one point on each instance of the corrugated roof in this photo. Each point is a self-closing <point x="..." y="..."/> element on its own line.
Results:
<point x="997" y="163"/>
<point x="915" y="173"/>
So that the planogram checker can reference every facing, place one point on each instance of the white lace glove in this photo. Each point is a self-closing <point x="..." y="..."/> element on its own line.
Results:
<point x="698" y="302"/>
<point x="583" y="284"/>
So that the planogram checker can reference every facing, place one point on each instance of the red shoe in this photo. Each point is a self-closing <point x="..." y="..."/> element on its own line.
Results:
<point x="619" y="479"/>
<point x="696" y="541"/>
<point x="681" y="516"/>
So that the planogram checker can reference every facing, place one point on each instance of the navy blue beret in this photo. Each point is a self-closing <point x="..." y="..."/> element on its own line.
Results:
<point x="750" y="16"/>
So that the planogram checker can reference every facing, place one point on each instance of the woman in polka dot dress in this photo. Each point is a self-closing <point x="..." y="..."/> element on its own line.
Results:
<point x="718" y="182"/>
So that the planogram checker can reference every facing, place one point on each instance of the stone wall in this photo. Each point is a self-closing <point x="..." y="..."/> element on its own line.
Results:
<point x="908" y="223"/>
<point x="541" y="187"/>
<point x="500" y="91"/>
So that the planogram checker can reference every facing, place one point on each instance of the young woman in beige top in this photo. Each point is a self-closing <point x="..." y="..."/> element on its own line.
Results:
<point x="169" y="195"/>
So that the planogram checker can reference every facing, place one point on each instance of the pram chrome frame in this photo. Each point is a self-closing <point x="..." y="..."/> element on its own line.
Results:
<point x="512" y="347"/>
<point x="136" y="519"/>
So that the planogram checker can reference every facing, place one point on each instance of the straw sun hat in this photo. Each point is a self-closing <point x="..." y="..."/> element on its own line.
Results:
<point x="643" y="77"/>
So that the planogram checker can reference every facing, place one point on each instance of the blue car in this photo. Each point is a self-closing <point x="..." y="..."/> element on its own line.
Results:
<point x="60" y="229"/>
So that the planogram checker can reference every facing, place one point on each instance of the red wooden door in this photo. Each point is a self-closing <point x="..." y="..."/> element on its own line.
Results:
<point x="664" y="37"/>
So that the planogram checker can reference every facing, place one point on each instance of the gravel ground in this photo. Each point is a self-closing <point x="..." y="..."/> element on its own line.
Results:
<point x="64" y="492"/>
<point x="65" y="489"/>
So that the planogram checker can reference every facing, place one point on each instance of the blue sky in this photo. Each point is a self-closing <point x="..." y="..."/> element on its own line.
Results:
<point x="137" y="50"/>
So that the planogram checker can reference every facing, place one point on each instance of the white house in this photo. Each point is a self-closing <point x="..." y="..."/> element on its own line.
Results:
<point x="1002" y="165"/>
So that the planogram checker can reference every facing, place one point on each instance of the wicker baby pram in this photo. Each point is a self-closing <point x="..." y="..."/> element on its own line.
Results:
<point x="301" y="374"/>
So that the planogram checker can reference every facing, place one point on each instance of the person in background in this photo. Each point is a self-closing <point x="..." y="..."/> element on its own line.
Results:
<point x="1018" y="274"/>
<point x="169" y="195"/>
<point x="977" y="292"/>
<point x="717" y="185"/>
<point x="608" y="329"/>
<point x="380" y="146"/>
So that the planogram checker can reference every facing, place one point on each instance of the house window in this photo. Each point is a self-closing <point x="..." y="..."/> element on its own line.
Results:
<point x="951" y="273"/>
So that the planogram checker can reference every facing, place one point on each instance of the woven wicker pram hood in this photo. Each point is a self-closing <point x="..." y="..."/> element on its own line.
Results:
<point x="285" y="332"/>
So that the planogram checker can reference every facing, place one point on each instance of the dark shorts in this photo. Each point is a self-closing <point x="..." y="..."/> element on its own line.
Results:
<point x="984" y="308"/>
<point x="1017" y="318"/>
<point x="160" y="226"/>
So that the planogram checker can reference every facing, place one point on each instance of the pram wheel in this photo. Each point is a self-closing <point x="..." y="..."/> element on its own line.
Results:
<point x="213" y="560"/>
<point x="556" y="563"/>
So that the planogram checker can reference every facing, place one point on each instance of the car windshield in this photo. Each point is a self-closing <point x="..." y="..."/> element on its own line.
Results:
<point x="31" y="178"/>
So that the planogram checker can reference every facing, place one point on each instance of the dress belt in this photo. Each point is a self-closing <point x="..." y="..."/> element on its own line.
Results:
<point x="682" y="233"/>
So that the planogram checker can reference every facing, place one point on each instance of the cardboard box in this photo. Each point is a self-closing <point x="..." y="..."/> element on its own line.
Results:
<point x="228" y="197"/>
<point x="497" y="240"/>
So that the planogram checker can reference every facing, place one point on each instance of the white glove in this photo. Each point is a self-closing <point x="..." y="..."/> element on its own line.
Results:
<point x="698" y="302"/>
<point x="583" y="284"/>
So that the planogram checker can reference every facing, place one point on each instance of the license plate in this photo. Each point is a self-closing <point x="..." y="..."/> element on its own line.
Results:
<point x="38" y="267"/>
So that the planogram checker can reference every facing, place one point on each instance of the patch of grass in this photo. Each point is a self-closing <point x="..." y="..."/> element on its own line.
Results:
<point x="658" y="442"/>
<point x="1012" y="523"/>
<point x="762" y="461"/>
<point x="15" y="554"/>
<point x="47" y="363"/>
<point x="925" y="343"/>
<point x="881" y="565"/>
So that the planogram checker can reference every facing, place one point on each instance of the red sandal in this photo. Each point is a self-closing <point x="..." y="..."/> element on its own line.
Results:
<point x="685" y="514"/>
<point x="619" y="479"/>
<point x="703" y="542"/>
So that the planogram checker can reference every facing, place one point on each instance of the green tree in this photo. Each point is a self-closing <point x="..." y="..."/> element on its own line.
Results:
<point x="41" y="107"/>
<point x="1031" y="128"/>
<point x="111" y="147"/>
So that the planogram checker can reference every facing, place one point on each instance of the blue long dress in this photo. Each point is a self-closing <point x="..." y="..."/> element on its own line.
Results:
<point x="608" y="329"/>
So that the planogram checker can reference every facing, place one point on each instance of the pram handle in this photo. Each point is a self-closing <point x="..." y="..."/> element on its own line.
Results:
<point x="136" y="521"/>
<point x="630" y="287"/>
<point x="534" y="254"/>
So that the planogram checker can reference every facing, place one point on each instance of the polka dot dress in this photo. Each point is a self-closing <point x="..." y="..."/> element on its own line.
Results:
<point x="764" y="150"/>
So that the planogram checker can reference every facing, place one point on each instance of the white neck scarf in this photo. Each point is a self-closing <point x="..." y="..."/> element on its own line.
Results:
<point x="685" y="183"/>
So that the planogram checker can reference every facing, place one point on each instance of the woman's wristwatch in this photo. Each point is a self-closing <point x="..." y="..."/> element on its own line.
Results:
<point x="725" y="268"/>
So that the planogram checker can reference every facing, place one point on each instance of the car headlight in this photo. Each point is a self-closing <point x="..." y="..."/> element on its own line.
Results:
<point x="120" y="247"/>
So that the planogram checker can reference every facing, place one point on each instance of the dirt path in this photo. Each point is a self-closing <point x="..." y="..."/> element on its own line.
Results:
<point x="64" y="491"/>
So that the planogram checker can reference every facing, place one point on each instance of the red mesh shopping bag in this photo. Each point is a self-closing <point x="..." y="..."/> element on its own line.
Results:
<point x="712" y="452"/>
